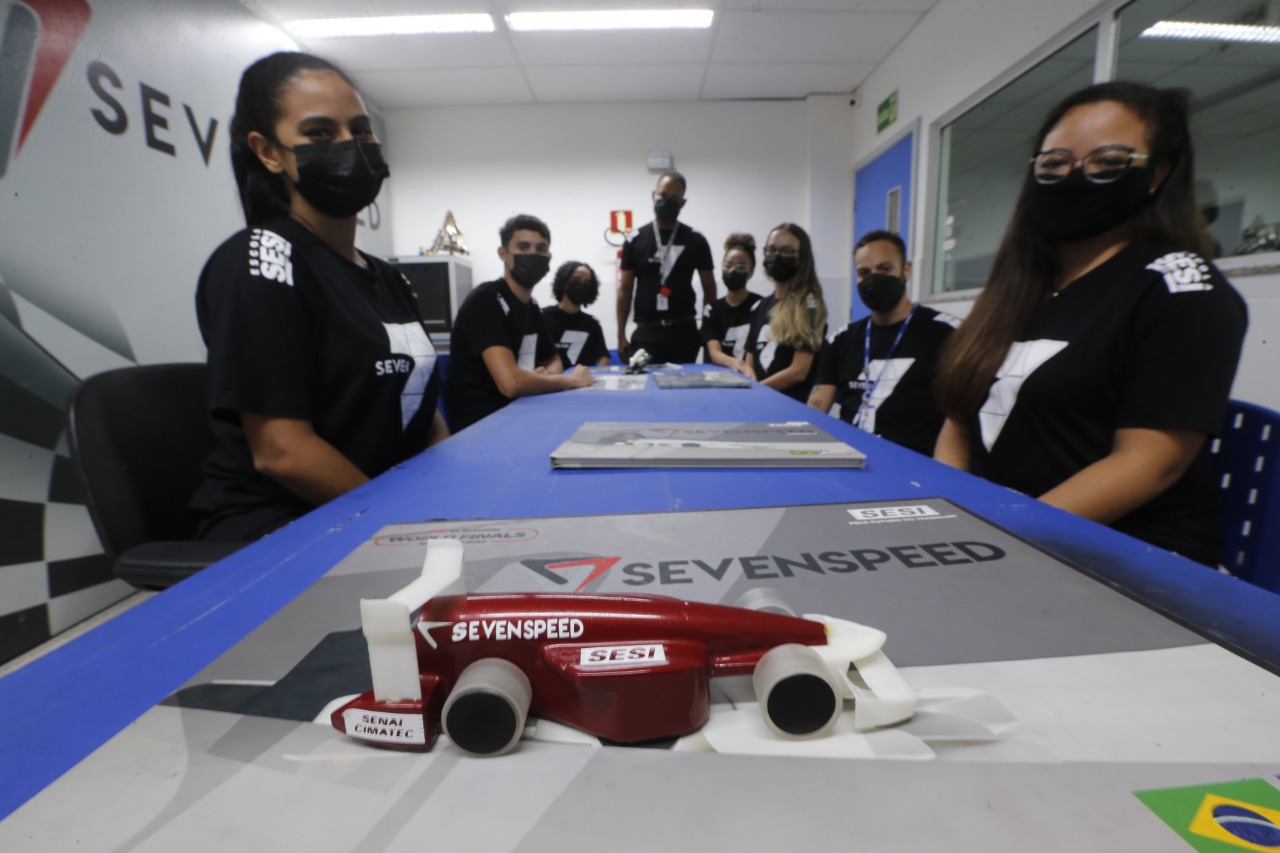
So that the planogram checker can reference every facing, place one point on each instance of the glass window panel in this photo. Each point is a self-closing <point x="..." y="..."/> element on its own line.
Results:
<point x="1236" y="111"/>
<point x="984" y="160"/>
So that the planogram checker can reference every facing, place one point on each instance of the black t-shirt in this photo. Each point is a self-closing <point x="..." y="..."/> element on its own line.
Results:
<point x="771" y="357"/>
<point x="729" y="325"/>
<point x="490" y="316"/>
<point x="1150" y="339"/>
<point x="901" y="407"/>
<point x="674" y="268"/>
<point x="577" y="337"/>
<point x="295" y="330"/>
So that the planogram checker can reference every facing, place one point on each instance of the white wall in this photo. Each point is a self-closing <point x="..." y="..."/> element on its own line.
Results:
<point x="750" y="165"/>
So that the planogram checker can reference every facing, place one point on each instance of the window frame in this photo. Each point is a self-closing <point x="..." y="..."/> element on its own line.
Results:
<point x="1106" y="59"/>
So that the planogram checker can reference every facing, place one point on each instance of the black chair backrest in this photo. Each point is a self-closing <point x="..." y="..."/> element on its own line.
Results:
<point x="138" y="436"/>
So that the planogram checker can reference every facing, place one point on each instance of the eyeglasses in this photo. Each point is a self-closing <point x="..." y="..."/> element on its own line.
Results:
<point x="788" y="252"/>
<point x="1100" y="166"/>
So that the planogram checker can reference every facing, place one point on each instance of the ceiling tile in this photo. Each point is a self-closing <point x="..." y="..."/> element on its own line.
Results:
<point x="438" y="88"/>
<point x="604" y="48"/>
<point x="396" y="53"/>
<point x="918" y="6"/>
<point x="293" y="10"/>
<point x="607" y="83"/>
<point x="746" y="80"/>
<point x="809" y="36"/>
<point x="754" y="49"/>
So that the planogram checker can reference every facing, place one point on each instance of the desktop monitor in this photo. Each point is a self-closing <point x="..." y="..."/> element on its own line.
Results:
<point x="439" y="283"/>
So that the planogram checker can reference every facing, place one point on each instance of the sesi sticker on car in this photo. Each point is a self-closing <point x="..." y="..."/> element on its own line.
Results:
<point x="385" y="726"/>
<point x="593" y="656"/>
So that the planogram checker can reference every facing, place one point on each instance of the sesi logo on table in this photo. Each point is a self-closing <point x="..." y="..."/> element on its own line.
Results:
<point x="880" y="513"/>
<point x="614" y="655"/>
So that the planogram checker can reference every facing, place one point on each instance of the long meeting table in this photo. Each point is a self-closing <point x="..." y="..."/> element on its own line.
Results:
<point x="96" y="751"/>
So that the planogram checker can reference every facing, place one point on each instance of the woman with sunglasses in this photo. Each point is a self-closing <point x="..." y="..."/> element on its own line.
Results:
<point x="1099" y="357"/>
<point x="787" y="327"/>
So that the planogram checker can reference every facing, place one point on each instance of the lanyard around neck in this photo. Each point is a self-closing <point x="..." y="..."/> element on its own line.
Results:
<point x="664" y="249"/>
<point x="870" y="387"/>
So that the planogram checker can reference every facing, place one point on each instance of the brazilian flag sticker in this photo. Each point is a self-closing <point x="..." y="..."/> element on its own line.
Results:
<point x="1223" y="818"/>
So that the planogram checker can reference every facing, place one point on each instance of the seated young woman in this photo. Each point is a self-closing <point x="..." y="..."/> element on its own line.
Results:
<point x="321" y="373"/>
<point x="1098" y="360"/>
<point x="788" y="326"/>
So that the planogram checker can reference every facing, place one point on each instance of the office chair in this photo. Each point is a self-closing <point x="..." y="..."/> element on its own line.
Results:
<point x="1247" y="456"/>
<point x="138" y="436"/>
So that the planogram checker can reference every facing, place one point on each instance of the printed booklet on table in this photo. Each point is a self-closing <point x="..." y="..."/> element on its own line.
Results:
<point x="701" y="379"/>
<point x="789" y="444"/>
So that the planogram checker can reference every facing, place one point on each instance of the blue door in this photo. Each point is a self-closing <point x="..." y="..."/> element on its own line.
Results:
<point x="882" y="199"/>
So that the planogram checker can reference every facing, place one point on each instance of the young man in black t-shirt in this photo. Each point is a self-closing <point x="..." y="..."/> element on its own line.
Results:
<point x="658" y="264"/>
<point x="499" y="349"/>
<point x="576" y="334"/>
<point x="880" y="369"/>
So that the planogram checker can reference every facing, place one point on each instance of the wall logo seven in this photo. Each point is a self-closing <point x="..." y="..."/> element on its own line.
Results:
<point x="36" y="40"/>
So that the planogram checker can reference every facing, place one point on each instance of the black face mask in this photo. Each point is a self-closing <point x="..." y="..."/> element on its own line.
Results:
<point x="735" y="280"/>
<point x="340" y="178"/>
<point x="880" y="291"/>
<point x="528" y="270"/>
<point x="781" y="268"/>
<point x="666" y="209"/>
<point x="582" y="293"/>
<point x="1075" y="208"/>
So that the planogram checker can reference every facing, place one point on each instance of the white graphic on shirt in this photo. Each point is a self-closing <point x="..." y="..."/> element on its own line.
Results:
<point x="1183" y="272"/>
<point x="409" y="339"/>
<point x="948" y="319"/>
<point x="770" y="349"/>
<point x="528" y="352"/>
<point x="889" y="372"/>
<point x="1023" y="359"/>
<point x="736" y="339"/>
<point x="572" y="343"/>
<point x="668" y="261"/>
<point x="506" y="309"/>
<point x="269" y="256"/>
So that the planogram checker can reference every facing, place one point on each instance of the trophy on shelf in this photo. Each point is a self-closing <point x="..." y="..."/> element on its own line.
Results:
<point x="449" y="239"/>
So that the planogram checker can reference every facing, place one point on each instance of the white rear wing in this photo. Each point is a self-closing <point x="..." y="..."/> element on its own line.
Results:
<point x="388" y="622"/>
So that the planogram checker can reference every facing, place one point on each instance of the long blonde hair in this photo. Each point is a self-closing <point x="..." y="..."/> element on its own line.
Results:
<point x="799" y="320"/>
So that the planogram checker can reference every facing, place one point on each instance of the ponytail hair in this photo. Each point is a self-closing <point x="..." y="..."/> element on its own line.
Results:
<point x="264" y="195"/>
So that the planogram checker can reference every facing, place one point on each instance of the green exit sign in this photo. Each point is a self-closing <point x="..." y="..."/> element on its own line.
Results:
<point x="887" y="112"/>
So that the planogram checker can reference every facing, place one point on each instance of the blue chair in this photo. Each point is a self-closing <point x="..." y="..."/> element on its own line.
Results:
<point x="1247" y="456"/>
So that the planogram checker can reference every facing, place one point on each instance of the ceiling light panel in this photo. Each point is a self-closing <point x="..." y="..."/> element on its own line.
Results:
<point x="1212" y="32"/>
<point x="619" y="19"/>
<point x="397" y="25"/>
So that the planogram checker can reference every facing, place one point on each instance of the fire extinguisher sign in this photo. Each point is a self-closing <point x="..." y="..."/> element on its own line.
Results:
<point x="620" y="220"/>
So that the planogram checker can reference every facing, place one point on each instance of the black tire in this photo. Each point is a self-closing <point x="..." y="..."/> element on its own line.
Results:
<point x="485" y="712"/>
<point x="798" y="695"/>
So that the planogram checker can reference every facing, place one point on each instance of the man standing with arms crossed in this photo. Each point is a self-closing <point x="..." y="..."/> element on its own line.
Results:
<point x="658" y="264"/>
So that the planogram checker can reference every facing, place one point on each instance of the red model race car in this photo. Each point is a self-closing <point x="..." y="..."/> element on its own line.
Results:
<point x="625" y="668"/>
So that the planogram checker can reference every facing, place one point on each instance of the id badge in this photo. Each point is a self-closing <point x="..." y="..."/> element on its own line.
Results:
<point x="664" y="304"/>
